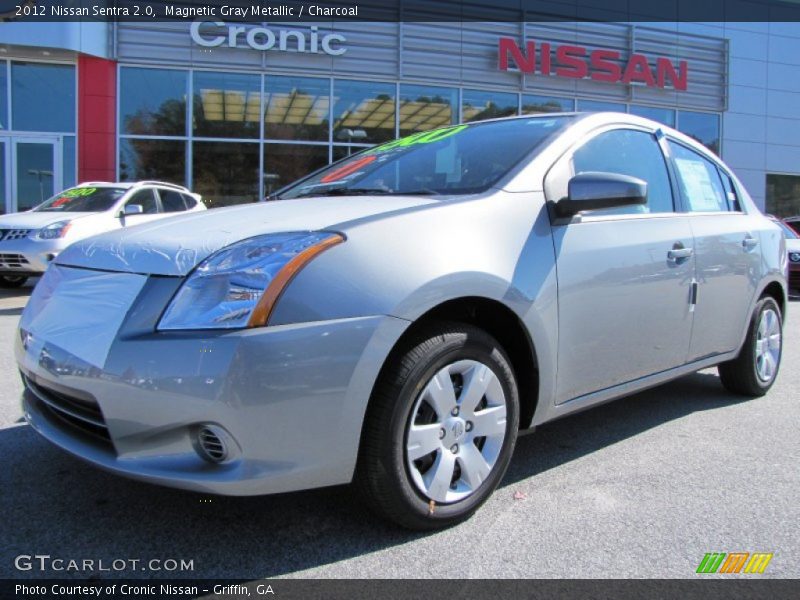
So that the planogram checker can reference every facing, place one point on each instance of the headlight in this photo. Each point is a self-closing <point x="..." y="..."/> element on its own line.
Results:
<point x="239" y="285"/>
<point x="54" y="230"/>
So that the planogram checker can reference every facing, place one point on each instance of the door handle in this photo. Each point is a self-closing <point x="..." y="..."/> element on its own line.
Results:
<point x="677" y="254"/>
<point x="749" y="242"/>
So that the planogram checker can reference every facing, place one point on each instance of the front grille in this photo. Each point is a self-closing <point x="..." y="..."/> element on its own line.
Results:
<point x="82" y="414"/>
<point x="6" y="235"/>
<point x="13" y="261"/>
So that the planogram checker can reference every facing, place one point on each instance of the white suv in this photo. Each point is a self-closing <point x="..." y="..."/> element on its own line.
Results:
<point x="30" y="240"/>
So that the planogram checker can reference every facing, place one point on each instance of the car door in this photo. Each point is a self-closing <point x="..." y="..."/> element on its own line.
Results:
<point x="146" y="198"/>
<point x="727" y="252"/>
<point x="624" y="275"/>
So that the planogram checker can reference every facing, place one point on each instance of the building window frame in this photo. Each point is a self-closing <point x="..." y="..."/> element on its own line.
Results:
<point x="331" y="143"/>
<point x="7" y="135"/>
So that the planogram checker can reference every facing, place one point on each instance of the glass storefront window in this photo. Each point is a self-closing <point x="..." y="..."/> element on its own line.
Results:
<point x="533" y="104"/>
<point x="3" y="208"/>
<point x="423" y="108"/>
<point x="704" y="127"/>
<point x="226" y="105"/>
<point x="153" y="101"/>
<point x="42" y="97"/>
<point x="363" y="111"/>
<point x="285" y="163"/>
<point x="600" y="106"/>
<point x="34" y="173"/>
<point x="225" y="173"/>
<point x="662" y="115"/>
<point x="68" y="167"/>
<point x="162" y="160"/>
<point x="296" y="108"/>
<point x="783" y="195"/>
<point x="477" y="105"/>
<point x="3" y="95"/>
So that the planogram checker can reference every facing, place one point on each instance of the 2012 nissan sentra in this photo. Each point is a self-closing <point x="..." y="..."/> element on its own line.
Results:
<point x="397" y="318"/>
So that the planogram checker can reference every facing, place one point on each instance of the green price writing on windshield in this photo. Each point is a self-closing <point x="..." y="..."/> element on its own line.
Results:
<point x="424" y="137"/>
<point x="77" y="192"/>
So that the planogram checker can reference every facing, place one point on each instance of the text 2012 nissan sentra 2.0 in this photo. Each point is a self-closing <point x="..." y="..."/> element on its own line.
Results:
<point x="397" y="318"/>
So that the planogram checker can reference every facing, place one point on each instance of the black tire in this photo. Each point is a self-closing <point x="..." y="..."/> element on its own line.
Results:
<point x="740" y="375"/>
<point x="12" y="281"/>
<point x="383" y="475"/>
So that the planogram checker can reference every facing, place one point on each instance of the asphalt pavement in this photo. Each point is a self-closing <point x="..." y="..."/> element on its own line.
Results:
<point x="641" y="487"/>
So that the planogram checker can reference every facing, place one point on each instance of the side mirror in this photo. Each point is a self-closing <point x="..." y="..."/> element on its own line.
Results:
<point x="131" y="209"/>
<point x="595" y="191"/>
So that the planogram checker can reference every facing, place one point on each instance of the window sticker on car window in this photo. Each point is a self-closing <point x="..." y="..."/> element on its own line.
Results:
<point x="78" y="192"/>
<point x="697" y="184"/>
<point x="349" y="168"/>
<point x="424" y="137"/>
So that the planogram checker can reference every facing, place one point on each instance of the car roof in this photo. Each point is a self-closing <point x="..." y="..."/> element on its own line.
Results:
<point x="132" y="184"/>
<point x="586" y="121"/>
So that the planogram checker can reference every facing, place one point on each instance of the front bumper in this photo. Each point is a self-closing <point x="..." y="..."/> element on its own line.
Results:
<point x="28" y="256"/>
<point x="291" y="398"/>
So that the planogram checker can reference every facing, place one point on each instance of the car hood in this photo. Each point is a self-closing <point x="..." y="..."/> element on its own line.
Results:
<point x="37" y="220"/>
<point x="793" y="245"/>
<point x="174" y="246"/>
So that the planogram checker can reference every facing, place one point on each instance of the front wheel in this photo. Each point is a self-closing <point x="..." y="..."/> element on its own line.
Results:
<point x="753" y="372"/>
<point x="440" y="428"/>
<point x="12" y="281"/>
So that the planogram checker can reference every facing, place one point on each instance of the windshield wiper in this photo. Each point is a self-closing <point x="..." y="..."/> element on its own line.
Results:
<point x="367" y="192"/>
<point x="343" y="192"/>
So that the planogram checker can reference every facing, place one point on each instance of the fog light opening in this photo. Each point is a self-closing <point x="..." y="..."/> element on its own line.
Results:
<point x="211" y="444"/>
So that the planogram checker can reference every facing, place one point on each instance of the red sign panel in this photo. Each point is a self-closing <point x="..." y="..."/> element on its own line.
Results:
<point x="578" y="62"/>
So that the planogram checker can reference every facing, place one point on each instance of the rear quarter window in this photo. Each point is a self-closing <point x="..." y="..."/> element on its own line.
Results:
<point x="189" y="201"/>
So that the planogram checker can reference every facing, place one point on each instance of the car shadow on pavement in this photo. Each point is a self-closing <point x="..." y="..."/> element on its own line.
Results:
<point x="55" y="504"/>
<point x="561" y="441"/>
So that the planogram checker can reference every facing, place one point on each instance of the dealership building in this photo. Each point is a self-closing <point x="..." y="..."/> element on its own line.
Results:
<point x="237" y="110"/>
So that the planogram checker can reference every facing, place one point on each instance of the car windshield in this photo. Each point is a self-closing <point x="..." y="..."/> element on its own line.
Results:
<point x="462" y="159"/>
<point x="82" y="199"/>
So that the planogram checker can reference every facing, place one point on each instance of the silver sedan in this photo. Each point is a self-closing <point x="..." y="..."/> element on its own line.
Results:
<point x="397" y="318"/>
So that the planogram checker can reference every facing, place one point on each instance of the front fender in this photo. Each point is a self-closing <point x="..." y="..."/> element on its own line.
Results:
<point x="498" y="247"/>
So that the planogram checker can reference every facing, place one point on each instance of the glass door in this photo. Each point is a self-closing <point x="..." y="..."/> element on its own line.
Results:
<point x="36" y="170"/>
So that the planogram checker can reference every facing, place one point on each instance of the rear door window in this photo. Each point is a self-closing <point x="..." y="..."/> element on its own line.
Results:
<point x="699" y="179"/>
<point x="171" y="201"/>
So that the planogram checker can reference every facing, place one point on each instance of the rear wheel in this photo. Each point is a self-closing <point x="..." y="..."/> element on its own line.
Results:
<point x="440" y="428"/>
<point x="12" y="281"/>
<point x="753" y="372"/>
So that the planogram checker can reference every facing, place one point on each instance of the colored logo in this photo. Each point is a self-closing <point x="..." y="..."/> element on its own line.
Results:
<point x="735" y="562"/>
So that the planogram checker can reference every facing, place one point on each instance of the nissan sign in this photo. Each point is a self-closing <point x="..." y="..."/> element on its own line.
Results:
<point x="262" y="38"/>
<point x="578" y="62"/>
